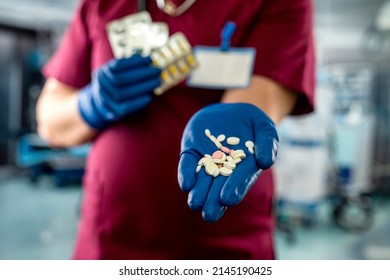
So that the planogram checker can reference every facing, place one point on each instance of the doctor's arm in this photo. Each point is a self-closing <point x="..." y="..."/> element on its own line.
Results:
<point x="58" y="117"/>
<point x="68" y="116"/>
<point x="275" y="100"/>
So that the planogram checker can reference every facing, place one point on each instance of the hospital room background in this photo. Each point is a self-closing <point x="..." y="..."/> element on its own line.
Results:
<point x="332" y="171"/>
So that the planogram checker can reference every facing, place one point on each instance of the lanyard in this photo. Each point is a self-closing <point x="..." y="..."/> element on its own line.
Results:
<point x="141" y="5"/>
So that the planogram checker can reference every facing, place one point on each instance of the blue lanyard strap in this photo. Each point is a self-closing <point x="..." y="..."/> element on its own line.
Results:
<point x="226" y="35"/>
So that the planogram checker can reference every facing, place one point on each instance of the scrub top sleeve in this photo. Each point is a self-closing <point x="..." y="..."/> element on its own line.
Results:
<point x="71" y="63"/>
<point x="282" y="34"/>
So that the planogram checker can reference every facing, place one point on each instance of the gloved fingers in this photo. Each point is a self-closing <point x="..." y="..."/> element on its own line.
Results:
<point x="130" y="106"/>
<point x="103" y="106"/>
<point x="198" y="193"/>
<point x="104" y="85"/>
<point x="119" y="94"/>
<point x="239" y="182"/>
<point x="112" y="110"/>
<point x="266" y="147"/>
<point x="127" y="78"/>
<point x="122" y="64"/>
<point x="213" y="209"/>
<point x="143" y="87"/>
<point x="187" y="171"/>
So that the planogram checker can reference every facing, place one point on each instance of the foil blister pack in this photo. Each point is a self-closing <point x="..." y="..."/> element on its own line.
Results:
<point x="137" y="33"/>
<point x="176" y="59"/>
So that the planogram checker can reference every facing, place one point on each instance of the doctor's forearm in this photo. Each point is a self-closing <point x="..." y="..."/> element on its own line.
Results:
<point x="59" y="121"/>
<point x="275" y="100"/>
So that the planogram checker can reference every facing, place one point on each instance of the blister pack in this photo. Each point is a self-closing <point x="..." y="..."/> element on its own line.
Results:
<point x="137" y="33"/>
<point x="176" y="60"/>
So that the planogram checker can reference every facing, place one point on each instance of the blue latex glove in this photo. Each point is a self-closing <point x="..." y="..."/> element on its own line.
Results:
<point x="211" y="194"/>
<point x="118" y="88"/>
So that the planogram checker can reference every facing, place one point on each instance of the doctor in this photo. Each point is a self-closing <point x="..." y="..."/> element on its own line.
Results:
<point x="133" y="207"/>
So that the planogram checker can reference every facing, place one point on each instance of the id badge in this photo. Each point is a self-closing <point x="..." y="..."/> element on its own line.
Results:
<point x="223" y="67"/>
<point x="220" y="69"/>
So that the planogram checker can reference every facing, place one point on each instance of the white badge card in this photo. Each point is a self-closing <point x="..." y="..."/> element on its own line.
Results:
<point x="222" y="69"/>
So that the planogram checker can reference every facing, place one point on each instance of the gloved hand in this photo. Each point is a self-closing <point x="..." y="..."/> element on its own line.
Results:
<point x="211" y="194"/>
<point x="118" y="88"/>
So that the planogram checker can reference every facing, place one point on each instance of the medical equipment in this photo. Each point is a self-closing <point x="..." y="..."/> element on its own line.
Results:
<point x="352" y="143"/>
<point x="301" y="171"/>
<point x="65" y="165"/>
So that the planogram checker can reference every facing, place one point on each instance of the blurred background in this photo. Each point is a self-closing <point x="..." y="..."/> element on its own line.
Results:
<point x="333" y="169"/>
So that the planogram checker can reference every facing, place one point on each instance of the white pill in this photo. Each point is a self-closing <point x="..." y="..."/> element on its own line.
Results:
<point x="207" y="156"/>
<point x="212" y="138"/>
<point x="216" y="172"/>
<point x="225" y="171"/>
<point x="221" y="137"/>
<point x="207" y="132"/>
<point x="237" y="161"/>
<point x="233" y="140"/>
<point x="250" y="149"/>
<point x="210" y="168"/>
<point x="230" y="165"/>
<point x="202" y="161"/>
<point x="242" y="156"/>
<point x="249" y="144"/>
<point x="215" y="141"/>
<point x="238" y="154"/>
<point x="229" y="158"/>
<point x="218" y="160"/>
<point x="218" y="144"/>
<point x="198" y="168"/>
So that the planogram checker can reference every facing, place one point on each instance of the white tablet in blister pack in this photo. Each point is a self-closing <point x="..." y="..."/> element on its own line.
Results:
<point x="136" y="34"/>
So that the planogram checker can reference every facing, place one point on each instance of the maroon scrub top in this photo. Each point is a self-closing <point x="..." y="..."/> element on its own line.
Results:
<point x="133" y="207"/>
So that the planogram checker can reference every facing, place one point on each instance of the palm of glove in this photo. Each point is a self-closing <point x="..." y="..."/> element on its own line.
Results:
<point x="212" y="194"/>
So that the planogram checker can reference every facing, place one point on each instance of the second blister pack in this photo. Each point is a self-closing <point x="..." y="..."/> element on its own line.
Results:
<point x="176" y="60"/>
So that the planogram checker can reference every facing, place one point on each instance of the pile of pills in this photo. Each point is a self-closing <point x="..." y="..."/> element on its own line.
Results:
<point x="224" y="160"/>
<point x="176" y="60"/>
